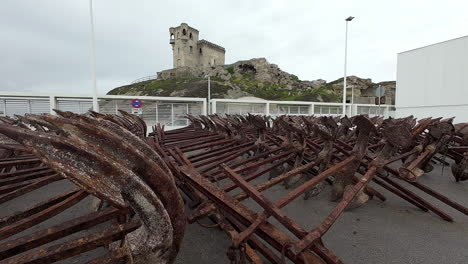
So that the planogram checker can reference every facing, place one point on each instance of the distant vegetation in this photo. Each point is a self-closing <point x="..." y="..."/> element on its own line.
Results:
<point x="255" y="77"/>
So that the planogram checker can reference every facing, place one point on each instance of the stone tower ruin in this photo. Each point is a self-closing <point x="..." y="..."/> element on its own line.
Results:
<point x="188" y="51"/>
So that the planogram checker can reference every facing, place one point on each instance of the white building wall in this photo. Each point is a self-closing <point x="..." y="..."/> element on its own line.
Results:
<point x="433" y="81"/>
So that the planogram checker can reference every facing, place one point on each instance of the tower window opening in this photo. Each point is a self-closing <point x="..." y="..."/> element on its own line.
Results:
<point x="184" y="32"/>
<point x="190" y="35"/>
<point x="200" y="51"/>
<point x="191" y="50"/>
<point x="172" y="35"/>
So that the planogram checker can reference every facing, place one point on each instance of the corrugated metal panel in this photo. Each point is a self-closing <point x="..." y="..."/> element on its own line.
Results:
<point x="195" y="109"/>
<point x="258" y="108"/>
<point x="24" y="106"/>
<point x="17" y="107"/>
<point x="40" y="106"/>
<point x="327" y="110"/>
<point x="371" y="110"/>
<point x="289" y="109"/>
<point x="165" y="114"/>
<point x="149" y="112"/>
<point x="243" y="108"/>
<point x="274" y="109"/>
<point x="107" y="106"/>
<point x="2" y="107"/>
<point x="75" y="106"/>
<point x="221" y="108"/>
<point x="125" y="105"/>
<point x="293" y="110"/>
<point x="282" y="110"/>
<point x="179" y="112"/>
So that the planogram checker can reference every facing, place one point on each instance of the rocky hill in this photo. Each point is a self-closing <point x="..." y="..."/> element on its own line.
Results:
<point x="255" y="77"/>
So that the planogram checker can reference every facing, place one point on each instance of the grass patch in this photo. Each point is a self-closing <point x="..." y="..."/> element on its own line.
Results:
<point x="230" y="69"/>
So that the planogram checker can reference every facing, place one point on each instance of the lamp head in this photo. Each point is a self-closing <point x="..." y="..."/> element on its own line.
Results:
<point x="349" y="18"/>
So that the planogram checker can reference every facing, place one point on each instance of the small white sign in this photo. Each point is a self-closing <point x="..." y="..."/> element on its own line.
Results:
<point x="380" y="91"/>
<point x="137" y="111"/>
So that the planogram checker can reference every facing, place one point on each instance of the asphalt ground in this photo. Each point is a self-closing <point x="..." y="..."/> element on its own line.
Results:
<point x="393" y="231"/>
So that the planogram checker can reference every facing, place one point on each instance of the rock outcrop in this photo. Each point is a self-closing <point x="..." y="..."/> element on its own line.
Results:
<point x="255" y="77"/>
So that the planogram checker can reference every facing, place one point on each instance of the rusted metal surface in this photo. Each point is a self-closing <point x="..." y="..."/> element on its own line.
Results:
<point x="309" y="152"/>
<point x="217" y="164"/>
<point x="107" y="157"/>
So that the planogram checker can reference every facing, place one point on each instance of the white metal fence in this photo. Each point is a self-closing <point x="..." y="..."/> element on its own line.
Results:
<point x="168" y="111"/>
<point x="275" y="108"/>
<point x="171" y="111"/>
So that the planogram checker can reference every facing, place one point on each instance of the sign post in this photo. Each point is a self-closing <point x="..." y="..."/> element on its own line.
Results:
<point x="379" y="91"/>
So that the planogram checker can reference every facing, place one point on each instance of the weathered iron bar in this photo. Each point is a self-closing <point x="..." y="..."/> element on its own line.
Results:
<point x="220" y="156"/>
<point x="34" y="184"/>
<point x="32" y="220"/>
<point x="36" y="239"/>
<point x="21" y="172"/>
<point x="74" y="247"/>
<point x="268" y="232"/>
<point x="6" y="164"/>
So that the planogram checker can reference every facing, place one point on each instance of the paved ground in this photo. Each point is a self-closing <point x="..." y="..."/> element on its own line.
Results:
<point x="393" y="231"/>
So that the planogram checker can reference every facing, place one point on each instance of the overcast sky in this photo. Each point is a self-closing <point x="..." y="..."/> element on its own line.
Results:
<point x="45" y="44"/>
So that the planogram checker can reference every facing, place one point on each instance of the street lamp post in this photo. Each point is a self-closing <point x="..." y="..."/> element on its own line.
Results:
<point x="345" y="62"/>
<point x="93" y="59"/>
<point x="209" y="93"/>
<point x="352" y="100"/>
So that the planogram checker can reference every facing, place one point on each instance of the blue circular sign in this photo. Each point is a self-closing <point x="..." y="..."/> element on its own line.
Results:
<point x="137" y="103"/>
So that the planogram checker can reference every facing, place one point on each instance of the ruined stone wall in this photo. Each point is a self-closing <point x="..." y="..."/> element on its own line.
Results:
<point x="210" y="56"/>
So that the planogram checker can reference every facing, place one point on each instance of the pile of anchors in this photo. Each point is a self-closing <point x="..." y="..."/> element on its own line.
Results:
<point x="146" y="187"/>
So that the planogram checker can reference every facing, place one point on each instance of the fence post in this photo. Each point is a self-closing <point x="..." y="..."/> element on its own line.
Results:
<point x="267" y="109"/>
<point x="204" y="108"/>
<point x="4" y="108"/>
<point x="355" y="107"/>
<point x="213" y="107"/>
<point x="311" y="109"/>
<point x="29" y="106"/>
<point x="157" y="113"/>
<point x="172" y="114"/>
<point x="186" y="113"/>
<point x="53" y="104"/>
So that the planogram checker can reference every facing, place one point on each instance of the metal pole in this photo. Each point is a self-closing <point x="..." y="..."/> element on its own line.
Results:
<point x="379" y="98"/>
<point x="209" y="94"/>
<point x="352" y="99"/>
<point x="345" y="61"/>
<point x="345" y="64"/>
<point x="93" y="58"/>
<point x="5" y="107"/>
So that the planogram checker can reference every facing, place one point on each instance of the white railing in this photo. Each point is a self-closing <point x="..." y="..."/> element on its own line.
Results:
<point x="171" y="111"/>
<point x="168" y="111"/>
<point x="276" y="108"/>
<point x="146" y="78"/>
